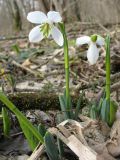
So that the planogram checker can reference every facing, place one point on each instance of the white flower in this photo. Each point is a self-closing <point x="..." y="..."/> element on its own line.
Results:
<point x="46" y="26"/>
<point x="93" y="51"/>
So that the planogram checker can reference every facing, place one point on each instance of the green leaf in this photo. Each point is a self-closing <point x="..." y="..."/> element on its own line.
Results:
<point x="6" y="122"/>
<point x="16" y="48"/>
<point x="51" y="147"/>
<point x="63" y="106"/>
<point x="107" y="112"/>
<point x="41" y="129"/>
<point x="77" y="109"/>
<point x="25" y="124"/>
<point x="60" y="148"/>
<point x="99" y="106"/>
<point x="103" y="110"/>
<point x="32" y="140"/>
<point x="70" y="113"/>
<point x="93" y="112"/>
<point x="113" y="110"/>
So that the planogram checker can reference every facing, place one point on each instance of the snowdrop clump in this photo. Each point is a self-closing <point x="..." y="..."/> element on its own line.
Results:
<point x="93" y="51"/>
<point x="47" y="26"/>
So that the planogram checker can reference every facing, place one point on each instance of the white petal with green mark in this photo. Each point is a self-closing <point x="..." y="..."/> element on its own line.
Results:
<point x="35" y="35"/>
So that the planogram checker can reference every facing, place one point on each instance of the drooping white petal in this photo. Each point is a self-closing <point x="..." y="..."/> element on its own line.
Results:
<point x="35" y="35"/>
<point x="83" y="40"/>
<point x="92" y="53"/>
<point x="100" y="41"/>
<point x="37" y="17"/>
<point x="57" y="36"/>
<point x="54" y="16"/>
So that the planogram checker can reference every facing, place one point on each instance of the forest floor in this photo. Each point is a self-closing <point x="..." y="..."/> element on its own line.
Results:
<point x="39" y="68"/>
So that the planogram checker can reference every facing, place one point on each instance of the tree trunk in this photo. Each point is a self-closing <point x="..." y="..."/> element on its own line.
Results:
<point x="14" y="12"/>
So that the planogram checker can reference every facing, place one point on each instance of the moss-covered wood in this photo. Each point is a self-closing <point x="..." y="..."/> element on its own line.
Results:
<point x="35" y="100"/>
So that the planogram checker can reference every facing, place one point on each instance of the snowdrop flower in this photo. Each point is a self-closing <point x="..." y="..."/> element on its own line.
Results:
<point x="93" y="51"/>
<point x="46" y="26"/>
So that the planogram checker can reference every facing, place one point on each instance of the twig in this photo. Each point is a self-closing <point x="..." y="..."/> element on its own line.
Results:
<point x="82" y="80"/>
<point x="16" y="134"/>
<point x="101" y="81"/>
<point x="12" y="38"/>
<point x="58" y="51"/>
<point x="37" y="152"/>
<point x="104" y="28"/>
<point x="36" y="74"/>
<point x="115" y="87"/>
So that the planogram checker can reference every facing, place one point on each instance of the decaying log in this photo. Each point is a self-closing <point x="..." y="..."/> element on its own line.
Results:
<point x="37" y="100"/>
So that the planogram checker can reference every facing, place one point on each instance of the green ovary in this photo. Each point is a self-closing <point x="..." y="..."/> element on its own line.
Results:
<point x="94" y="38"/>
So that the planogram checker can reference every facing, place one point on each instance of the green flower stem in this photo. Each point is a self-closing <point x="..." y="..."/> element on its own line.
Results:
<point x="66" y="58"/>
<point x="108" y="68"/>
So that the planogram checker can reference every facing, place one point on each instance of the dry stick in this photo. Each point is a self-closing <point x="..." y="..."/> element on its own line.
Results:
<point x="27" y="69"/>
<point x="115" y="87"/>
<point x="54" y="55"/>
<point x="82" y="80"/>
<point x="12" y="38"/>
<point x="37" y="152"/>
<point x="104" y="28"/>
<point x="101" y="81"/>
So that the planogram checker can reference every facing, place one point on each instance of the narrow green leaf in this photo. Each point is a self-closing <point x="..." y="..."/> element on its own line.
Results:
<point x="70" y="113"/>
<point x="60" y="148"/>
<point x="41" y="129"/>
<point x="6" y="122"/>
<point x="103" y="110"/>
<point x="62" y="105"/>
<point x="77" y="109"/>
<point x="99" y="106"/>
<point x="22" y="119"/>
<point x="16" y="48"/>
<point x="93" y="112"/>
<point x="51" y="147"/>
<point x="113" y="110"/>
<point x="107" y="111"/>
<point x="32" y="140"/>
